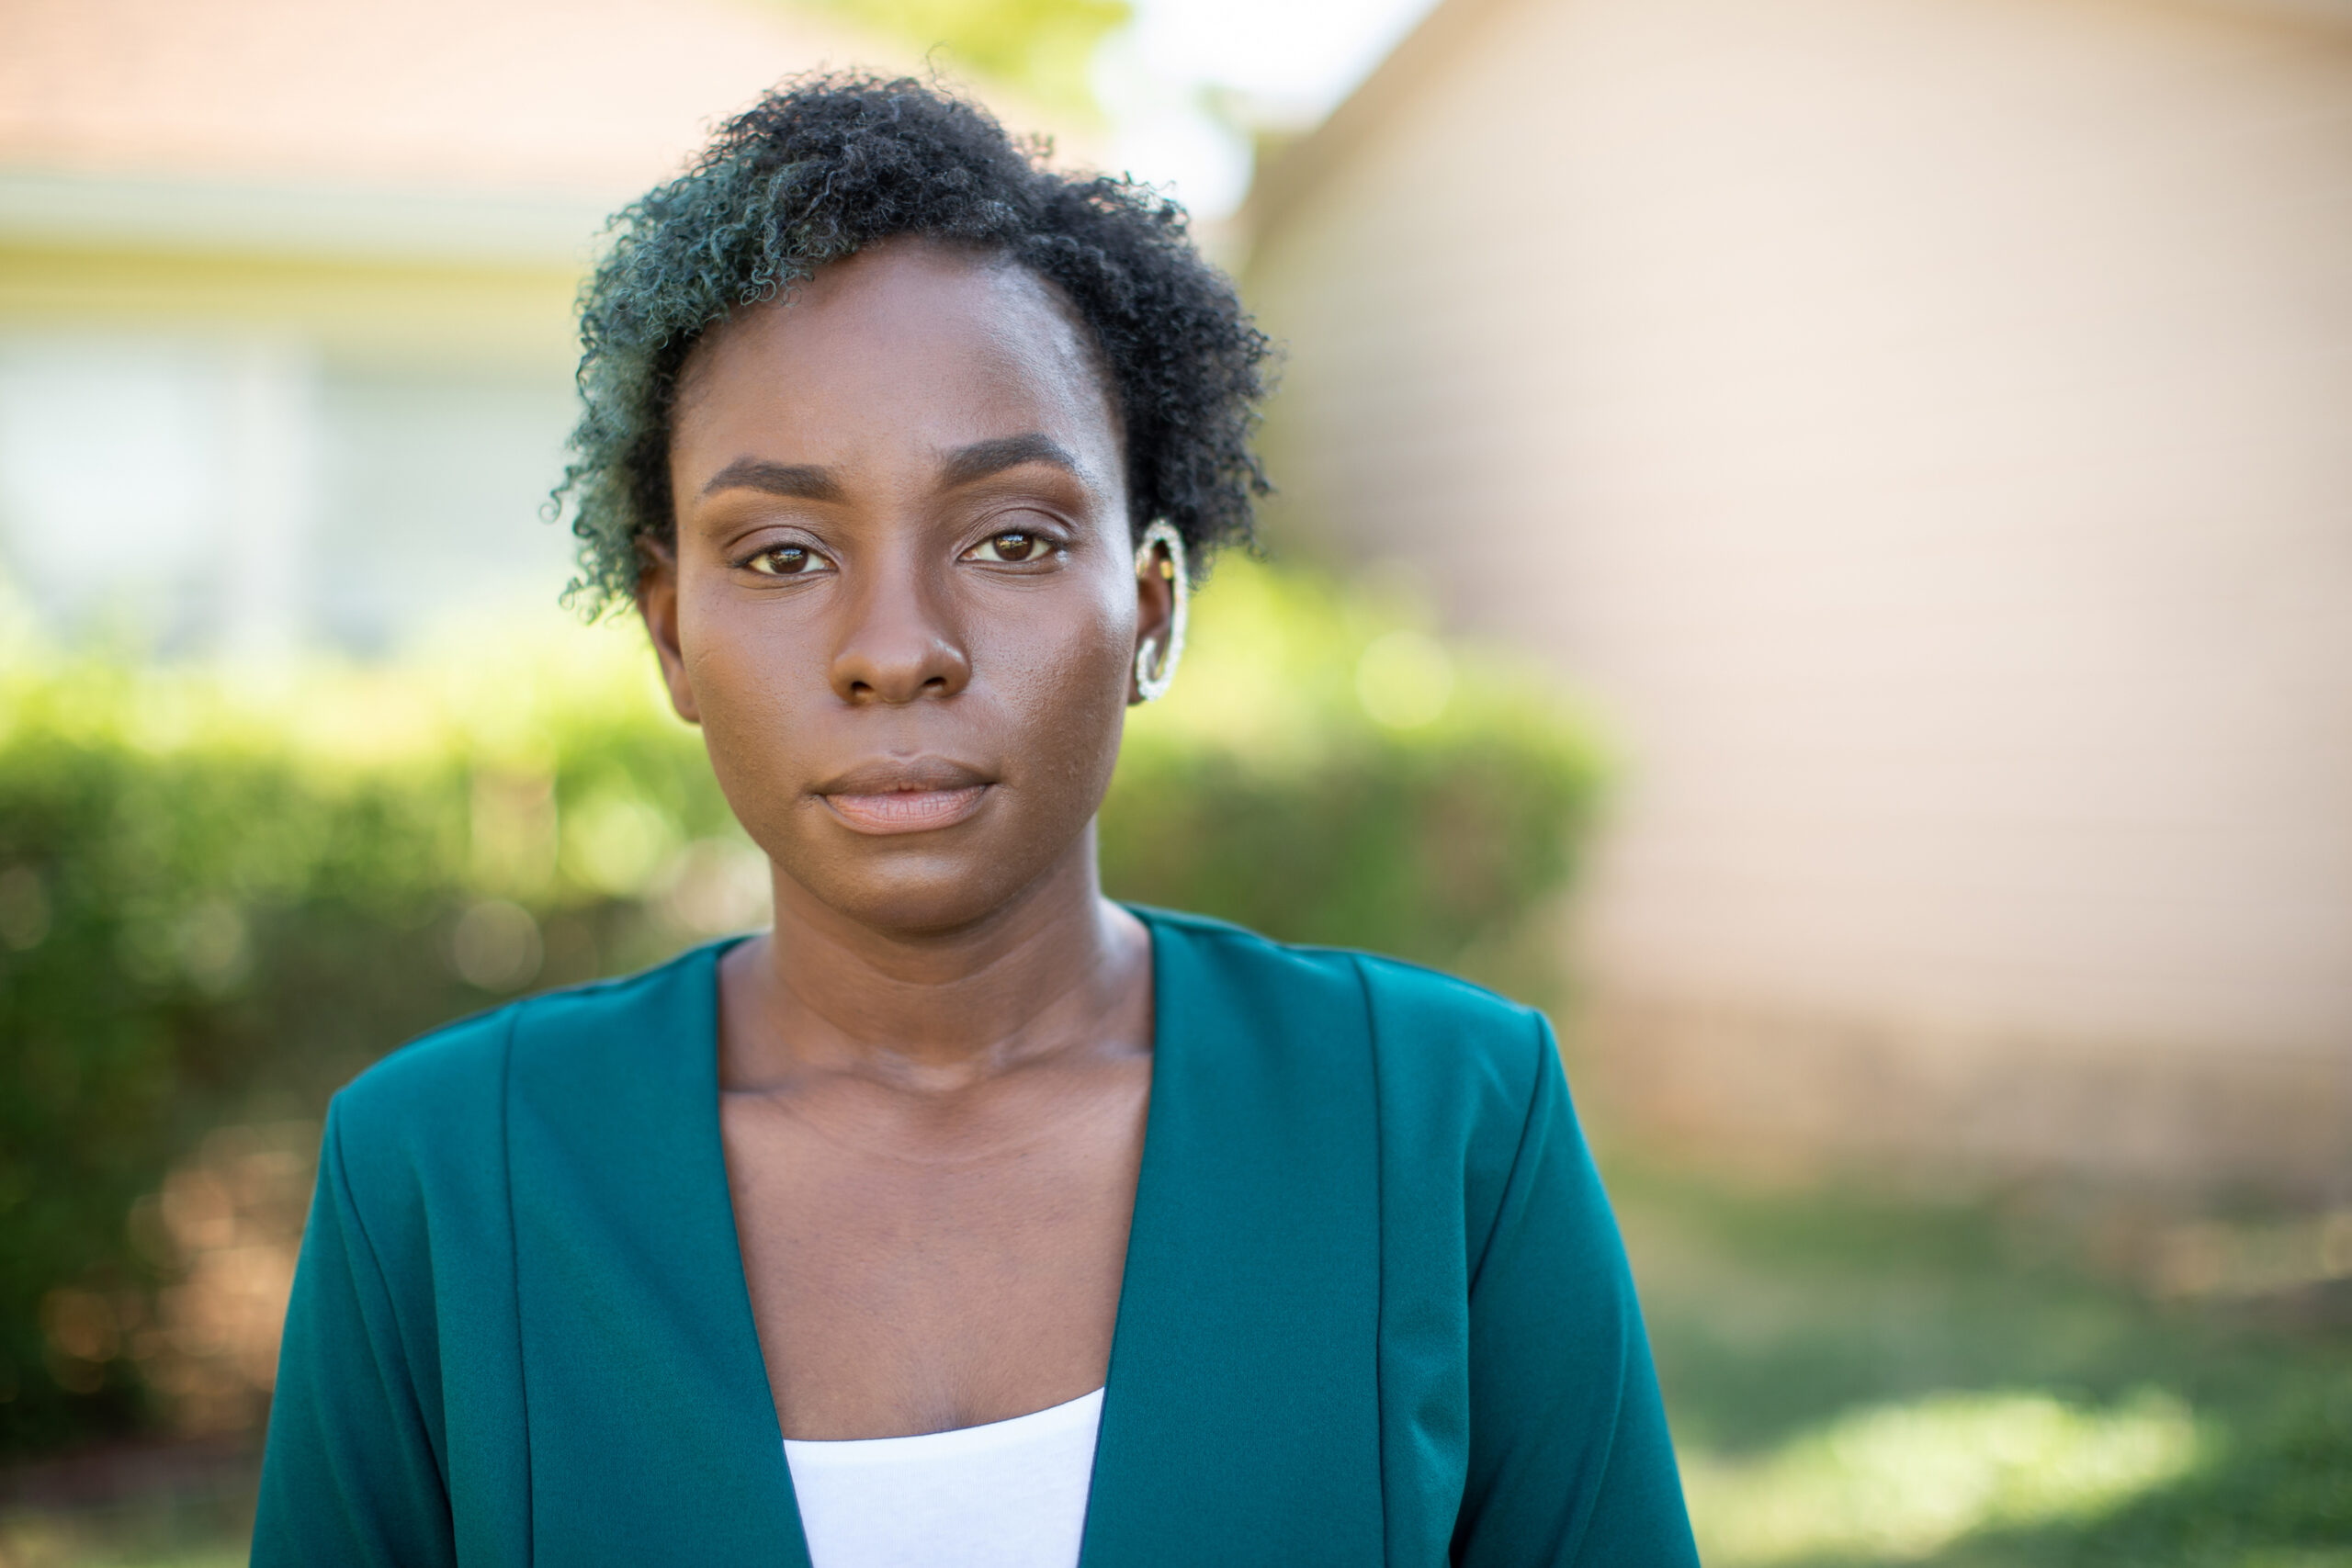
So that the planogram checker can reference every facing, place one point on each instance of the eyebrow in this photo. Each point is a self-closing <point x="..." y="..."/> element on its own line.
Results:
<point x="982" y="458"/>
<point x="810" y="481"/>
<point x="802" y="481"/>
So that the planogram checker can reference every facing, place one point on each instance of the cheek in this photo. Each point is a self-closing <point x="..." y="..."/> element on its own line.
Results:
<point x="755" y="677"/>
<point x="1064" y="683"/>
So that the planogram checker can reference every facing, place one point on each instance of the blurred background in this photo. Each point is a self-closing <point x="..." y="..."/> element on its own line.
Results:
<point x="1815" y="541"/>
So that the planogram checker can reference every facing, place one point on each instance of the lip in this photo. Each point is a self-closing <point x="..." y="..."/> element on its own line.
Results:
<point x="919" y="795"/>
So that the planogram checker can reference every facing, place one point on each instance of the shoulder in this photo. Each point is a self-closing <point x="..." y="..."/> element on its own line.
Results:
<point x="441" y="1096"/>
<point x="1432" y="1010"/>
<point x="1462" y="1083"/>
<point x="1436" y="1040"/>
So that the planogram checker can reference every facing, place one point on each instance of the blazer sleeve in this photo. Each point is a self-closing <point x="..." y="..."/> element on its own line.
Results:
<point x="1570" y="1462"/>
<point x="350" y="1474"/>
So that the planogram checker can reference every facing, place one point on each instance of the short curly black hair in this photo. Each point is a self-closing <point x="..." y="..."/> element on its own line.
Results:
<point x="825" y="166"/>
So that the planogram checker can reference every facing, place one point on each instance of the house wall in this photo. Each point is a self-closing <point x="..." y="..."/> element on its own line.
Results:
<point x="1922" y="426"/>
<point x="219" y="451"/>
<point x="239" y="415"/>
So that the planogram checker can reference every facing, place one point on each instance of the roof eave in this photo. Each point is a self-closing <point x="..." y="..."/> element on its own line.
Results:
<point x="400" y="224"/>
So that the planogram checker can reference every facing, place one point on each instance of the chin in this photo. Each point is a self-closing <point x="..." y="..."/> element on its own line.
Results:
<point x="919" y="893"/>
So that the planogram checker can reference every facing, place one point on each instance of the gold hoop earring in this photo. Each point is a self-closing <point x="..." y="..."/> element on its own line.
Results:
<point x="1152" y="684"/>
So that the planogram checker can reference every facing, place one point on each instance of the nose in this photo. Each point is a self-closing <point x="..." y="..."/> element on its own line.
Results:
<point x="897" y="645"/>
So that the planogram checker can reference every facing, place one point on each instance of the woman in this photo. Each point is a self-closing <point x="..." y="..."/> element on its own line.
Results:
<point x="964" y="1217"/>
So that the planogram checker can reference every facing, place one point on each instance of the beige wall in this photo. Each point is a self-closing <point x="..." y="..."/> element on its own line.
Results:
<point x="1925" y="425"/>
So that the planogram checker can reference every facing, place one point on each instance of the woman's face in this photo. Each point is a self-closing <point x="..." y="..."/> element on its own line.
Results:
<point x="903" y="604"/>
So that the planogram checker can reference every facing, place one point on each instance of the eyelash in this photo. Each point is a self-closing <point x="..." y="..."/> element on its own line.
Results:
<point x="751" y="562"/>
<point x="1042" y="546"/>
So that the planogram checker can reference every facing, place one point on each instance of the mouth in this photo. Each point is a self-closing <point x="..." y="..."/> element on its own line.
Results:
<point x="905" y="797"/>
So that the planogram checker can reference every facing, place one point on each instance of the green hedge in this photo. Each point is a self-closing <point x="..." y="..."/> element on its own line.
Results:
<point x="222" y="893"/>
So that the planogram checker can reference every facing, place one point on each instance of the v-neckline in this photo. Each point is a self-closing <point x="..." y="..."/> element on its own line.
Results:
<point x="1242" y="1405"/>
<point x="1123" y="1320"/>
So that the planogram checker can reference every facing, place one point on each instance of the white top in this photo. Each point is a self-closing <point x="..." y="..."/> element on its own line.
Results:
<point x="1009" y="1495"/>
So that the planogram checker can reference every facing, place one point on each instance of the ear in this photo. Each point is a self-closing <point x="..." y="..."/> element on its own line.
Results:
<point x="1155" y="610"/>
<point x="657" y="604"/>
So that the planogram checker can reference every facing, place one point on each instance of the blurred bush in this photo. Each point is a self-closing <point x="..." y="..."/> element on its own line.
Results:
<point x="1325" y="770"/>
<point x="222" y="893"/>
<point x="1044" y="49"/>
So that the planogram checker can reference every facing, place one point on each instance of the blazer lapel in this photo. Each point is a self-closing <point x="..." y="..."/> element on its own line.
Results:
<point x="653" y="1435"/>
<point x="1241" y="1420"/>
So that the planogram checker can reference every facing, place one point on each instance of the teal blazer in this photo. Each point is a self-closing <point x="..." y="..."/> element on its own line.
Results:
<point x="1374" y="1309"/>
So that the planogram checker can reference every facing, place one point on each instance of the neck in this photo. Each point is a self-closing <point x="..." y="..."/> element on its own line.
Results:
<point x="1059" y="967"/>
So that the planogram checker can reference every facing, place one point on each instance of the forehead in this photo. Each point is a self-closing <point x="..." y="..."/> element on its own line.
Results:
<point x="910" y="341"/>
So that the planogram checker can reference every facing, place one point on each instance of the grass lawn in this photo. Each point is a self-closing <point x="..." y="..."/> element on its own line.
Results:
<point x="190" y="1523"/>
<point x="1859" y="1379"/>
<point x="1854" y="1380"/>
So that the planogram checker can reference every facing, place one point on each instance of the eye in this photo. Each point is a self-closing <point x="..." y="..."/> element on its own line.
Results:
<point x="788" y="560"/>
<point x="1010" y="548"/>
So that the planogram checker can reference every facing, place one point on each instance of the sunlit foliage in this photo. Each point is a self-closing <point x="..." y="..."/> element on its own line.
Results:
<point x="1043" y="48"/>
